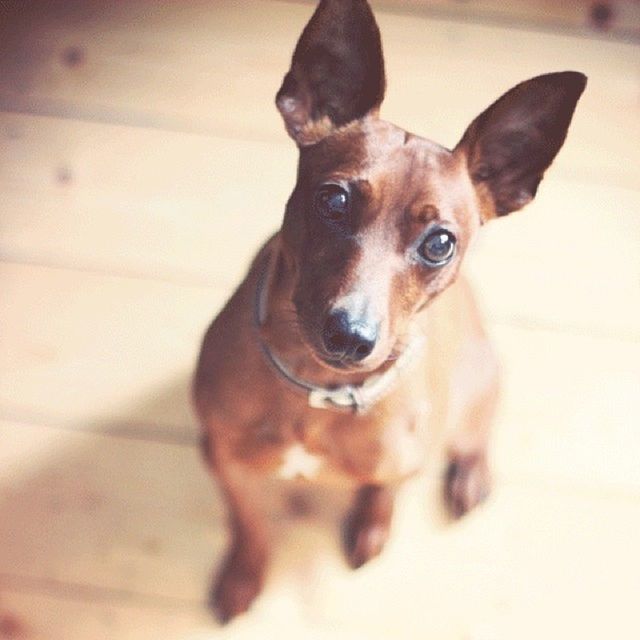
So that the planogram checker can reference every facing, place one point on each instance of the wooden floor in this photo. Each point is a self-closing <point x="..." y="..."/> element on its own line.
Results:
<point x="141" y="163"/>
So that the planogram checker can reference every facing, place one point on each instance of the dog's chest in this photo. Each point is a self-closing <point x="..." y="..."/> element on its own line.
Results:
<point x="298" y="462"/>
<point x="359" y="449"/>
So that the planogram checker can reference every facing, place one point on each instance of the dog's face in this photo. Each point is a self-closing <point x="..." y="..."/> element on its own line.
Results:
<point x="380" y="219"/>
<point x="377" y="226"/>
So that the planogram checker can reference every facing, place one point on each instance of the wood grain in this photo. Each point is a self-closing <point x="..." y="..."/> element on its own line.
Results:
<point x="167" y="66"/>
<point x="613" y="18"/>
<point x="56" y="616"/>
<point x="101" y="352"/>
<point x="114" y="355"/>
<point x="195" y="209"/>
<point x="144" y="535"/>
<point x="138" y="201"/>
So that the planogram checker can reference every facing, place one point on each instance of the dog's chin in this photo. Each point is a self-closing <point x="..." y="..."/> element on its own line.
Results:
<point x="345" y="366"/>
<point x="336" y="365"/>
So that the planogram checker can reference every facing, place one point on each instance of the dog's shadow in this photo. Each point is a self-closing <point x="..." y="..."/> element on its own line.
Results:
<point x="125" y="512"/>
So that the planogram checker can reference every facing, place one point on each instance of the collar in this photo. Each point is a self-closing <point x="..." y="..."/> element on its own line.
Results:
<point x="355" y="398"/>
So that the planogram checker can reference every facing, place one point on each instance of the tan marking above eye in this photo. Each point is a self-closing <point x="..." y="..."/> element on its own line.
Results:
<point x="427" y="213"/>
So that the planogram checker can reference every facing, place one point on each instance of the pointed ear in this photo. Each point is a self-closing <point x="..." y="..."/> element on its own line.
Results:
<point x="337" y="71"/>
<point x="510" y="145"/>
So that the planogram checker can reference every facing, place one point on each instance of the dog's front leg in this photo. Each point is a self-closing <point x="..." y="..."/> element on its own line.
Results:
<point x="242" y="575"/>
<point x="366" y="528"/>
<point x="467" y="480"/>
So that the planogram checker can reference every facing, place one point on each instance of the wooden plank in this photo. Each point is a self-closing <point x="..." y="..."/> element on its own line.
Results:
<point x="134" y="520"/>
<point x="39" y="616"/>
<point x="115" y="355"/>
<point x="101" y="352"/>
<point x="448" y="74"/>
<point x="569" y="260"/>
<point x="614" y="18"/>
<point x="195" y="209"/>
<point x="158" y="65"/>
<point x="132" y="517"/>
<point x="42" y="616"/>
<point x="567" y="409"/>
<point x="136" y="201"/>
<point x="528" y="566"/>
<point x="138" y="62"/>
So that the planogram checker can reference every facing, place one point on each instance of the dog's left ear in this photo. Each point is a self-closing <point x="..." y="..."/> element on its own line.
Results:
<point x="509" y="146"/>
<point x="337" y="71"/>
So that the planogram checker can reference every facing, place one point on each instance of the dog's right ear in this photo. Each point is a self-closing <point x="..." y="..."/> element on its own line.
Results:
<point x="337" y="71"/>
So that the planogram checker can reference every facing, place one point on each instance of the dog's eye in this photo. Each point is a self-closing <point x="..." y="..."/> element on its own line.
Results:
<point x="438" y="247"/>
<point x="332" y="202"/>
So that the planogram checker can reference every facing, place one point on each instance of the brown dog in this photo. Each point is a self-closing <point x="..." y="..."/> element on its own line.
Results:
<point x="350" y="341"/>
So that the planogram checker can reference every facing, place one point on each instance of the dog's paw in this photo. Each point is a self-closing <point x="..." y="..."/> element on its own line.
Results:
<point x="362" y="543"/>
<point x="367" y="526"/>
<point x="236" y="587"/>
<point x="467" y="484"/>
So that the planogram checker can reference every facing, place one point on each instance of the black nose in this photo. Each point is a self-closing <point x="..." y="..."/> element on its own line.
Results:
<point x="347" y="339"/>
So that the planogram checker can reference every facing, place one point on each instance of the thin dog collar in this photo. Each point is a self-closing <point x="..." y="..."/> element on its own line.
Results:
<point x="355" y="398"/>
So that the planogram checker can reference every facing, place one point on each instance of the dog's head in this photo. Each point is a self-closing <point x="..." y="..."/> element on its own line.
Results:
<point x="380" y="219"/>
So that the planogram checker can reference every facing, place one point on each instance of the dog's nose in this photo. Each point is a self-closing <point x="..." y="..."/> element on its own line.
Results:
<point x="347" y="339"/>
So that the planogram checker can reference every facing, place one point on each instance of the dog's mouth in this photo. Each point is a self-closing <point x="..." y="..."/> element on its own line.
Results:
<point x="345" y="365"/>
<point x="341" y="365"/>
